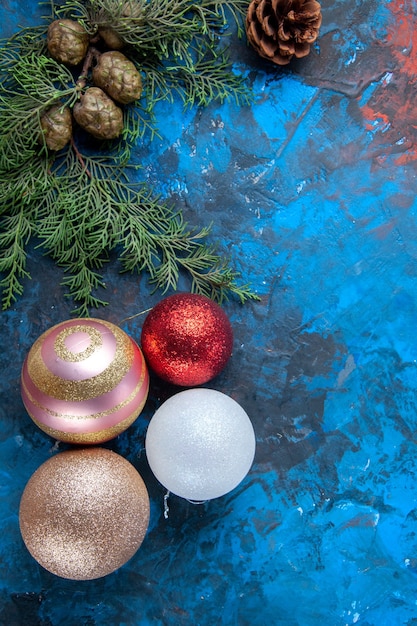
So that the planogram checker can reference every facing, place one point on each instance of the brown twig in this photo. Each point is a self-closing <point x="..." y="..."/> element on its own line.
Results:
<point x="80" y="158"/>
<point x="92" y="55"/>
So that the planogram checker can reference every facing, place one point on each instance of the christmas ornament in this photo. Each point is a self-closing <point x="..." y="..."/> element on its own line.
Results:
<point x="84" y="381"/>
<point x="200" y="444"/>
<point x="282" y="29"/>
<point x="187" y="339"/>
<point x="84" y="513"/>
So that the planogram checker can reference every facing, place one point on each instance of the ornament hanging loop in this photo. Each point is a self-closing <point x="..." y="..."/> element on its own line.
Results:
<point x="166" y="507"/>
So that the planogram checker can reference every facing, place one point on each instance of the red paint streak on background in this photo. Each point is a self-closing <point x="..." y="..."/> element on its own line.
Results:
<point x="379" y="120"/>
<point x="366" y="520"/>
<point x="402" y="37"/>
<point x="391" y="113"/>
<point x="381" y="232"/>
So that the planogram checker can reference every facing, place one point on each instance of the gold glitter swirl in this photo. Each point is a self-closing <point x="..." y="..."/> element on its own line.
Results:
<point x="65" y="354"/>
<point x="79" y="390"/>
<point x="100" y="436"/>
<point x="98" y="415"/>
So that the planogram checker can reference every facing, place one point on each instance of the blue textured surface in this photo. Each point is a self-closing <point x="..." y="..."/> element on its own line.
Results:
<point x="312" y="190"/>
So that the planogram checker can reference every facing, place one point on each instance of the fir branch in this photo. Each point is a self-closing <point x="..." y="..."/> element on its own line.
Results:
<point x="210" y="79"/>
<point x="157" y="27"/>
<point x="25" y="42"/>
<point x="41" y="78"/>
<point x="15" y="232"/>
<point x="24" y="186"/>
<point x="81" y="282"/>
<point x="82" y="204"/>
<point x="213" y="277"/>
<point x="235" y="9"/>
<point x="17" y="139"/>
<point x="34" y="84"/>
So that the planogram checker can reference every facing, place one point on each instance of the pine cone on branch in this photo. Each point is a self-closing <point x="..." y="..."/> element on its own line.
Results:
<point x="118" y="77"/>
<point x="281" y="29"/>
<point x="98" y="114"/>
<point x="67" y="41"/>
<point x="56" y="125"/>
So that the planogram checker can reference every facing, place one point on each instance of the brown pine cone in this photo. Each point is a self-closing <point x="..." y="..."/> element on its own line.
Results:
<point x="98" y="114"/>
<point x="281" y="29"/>
<point x="56" y="124"/>
<point x="111" y="38"/>
<point x="118" y="77"/>
<point x="109" y="34"/>
<point x="67" y="41"/>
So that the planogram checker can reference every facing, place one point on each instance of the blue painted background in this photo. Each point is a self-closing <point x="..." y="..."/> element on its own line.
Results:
<point x="312" y="191"/>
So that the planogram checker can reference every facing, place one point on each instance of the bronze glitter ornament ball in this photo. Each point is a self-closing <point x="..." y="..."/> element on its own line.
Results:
<point x="187" y="339"/>
<point x="84" y="381"/>
<point x="84" y="513"/>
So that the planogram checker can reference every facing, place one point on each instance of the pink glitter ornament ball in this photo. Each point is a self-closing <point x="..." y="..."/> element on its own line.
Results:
<point x="84" y="381"/>
<point x="187" y="339"/>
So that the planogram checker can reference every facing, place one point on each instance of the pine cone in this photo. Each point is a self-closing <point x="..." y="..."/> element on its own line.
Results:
<point x="118" y="77"/>
<point x="56" y="124"/>
<point x="281" y="29"/>
<point x="67" y="41"/>
<point x="98" y="114"/>
<point x="109" y="34"/>
<point x="111" y="38"/>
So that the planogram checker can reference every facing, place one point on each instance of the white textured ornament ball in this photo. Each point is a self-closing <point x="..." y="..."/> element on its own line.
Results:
<point x="84" y="513"/>
<point x="200" y="444"/>
<point x="84" y="381"/>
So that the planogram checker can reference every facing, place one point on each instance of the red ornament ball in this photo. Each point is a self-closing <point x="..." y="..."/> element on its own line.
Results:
<point x="187" y="339"/>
